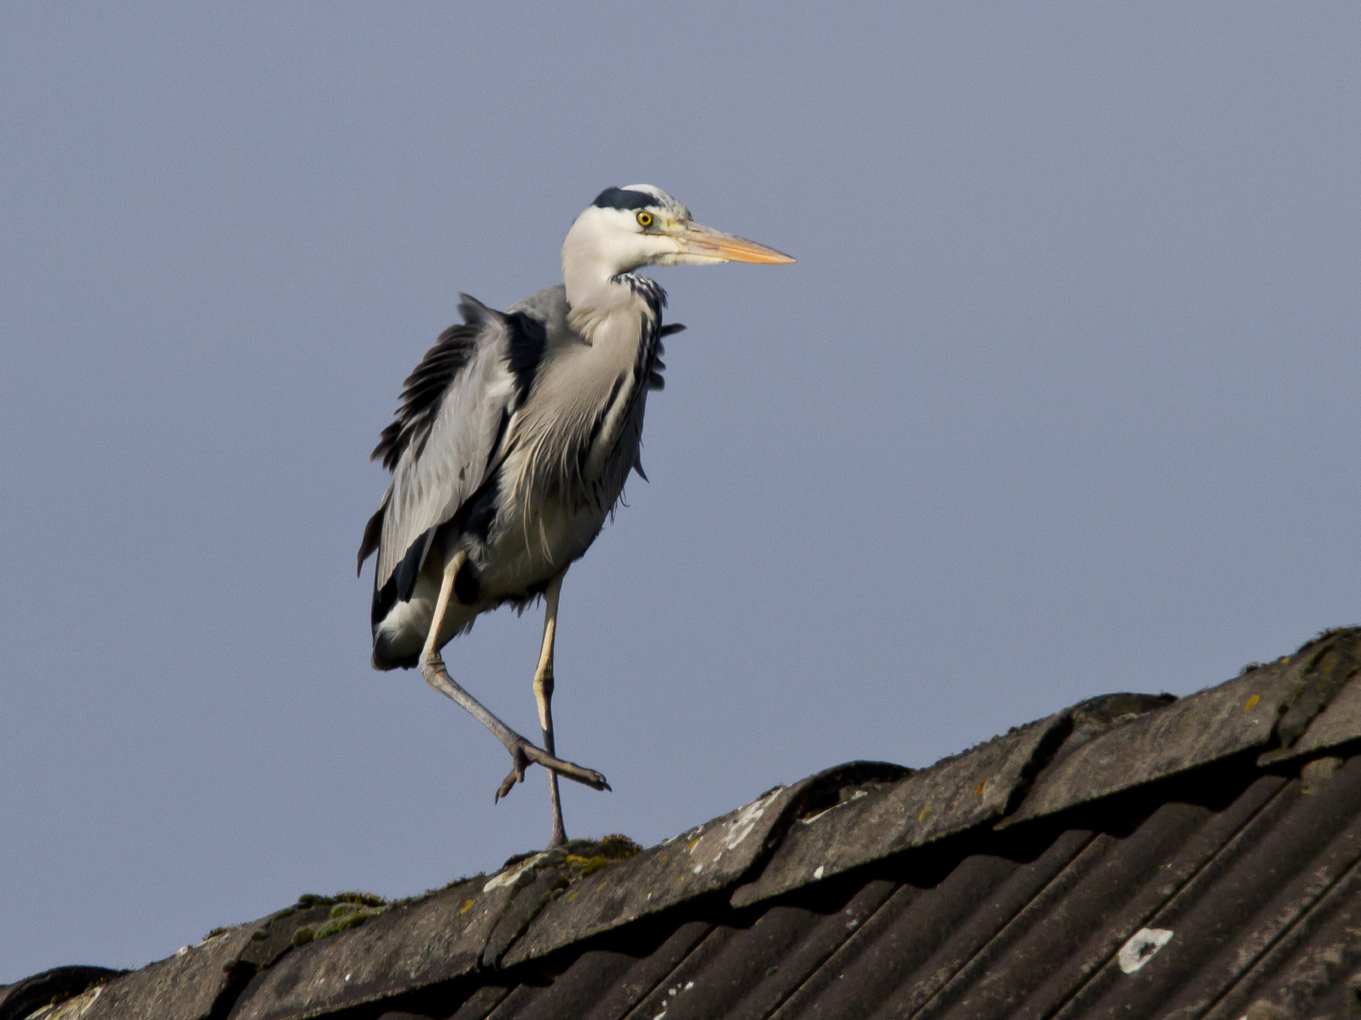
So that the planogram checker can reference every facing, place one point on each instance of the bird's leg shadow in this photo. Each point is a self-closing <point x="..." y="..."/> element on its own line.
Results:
<point x="522" y="752"/>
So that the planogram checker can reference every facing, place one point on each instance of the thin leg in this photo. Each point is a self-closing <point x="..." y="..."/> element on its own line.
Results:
<point x="543" y="694"/>
<point x="522" y="752"/>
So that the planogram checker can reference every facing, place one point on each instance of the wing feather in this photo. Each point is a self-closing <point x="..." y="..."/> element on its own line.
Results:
<point x="448" y="438"/>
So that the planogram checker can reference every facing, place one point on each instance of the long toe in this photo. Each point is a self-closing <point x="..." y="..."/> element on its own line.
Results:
<point x="507" y="785"/>
<point x="567" y="769"/>
<point x="523" y="753"/>
<point x="588" y="777"/>
<point x="519" y="762"/>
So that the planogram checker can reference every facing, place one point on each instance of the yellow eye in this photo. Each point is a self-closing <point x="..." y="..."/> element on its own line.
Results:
<point x="644" y="219"/>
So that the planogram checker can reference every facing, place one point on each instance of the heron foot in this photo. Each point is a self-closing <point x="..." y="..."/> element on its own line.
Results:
<point x="523" y="754"/>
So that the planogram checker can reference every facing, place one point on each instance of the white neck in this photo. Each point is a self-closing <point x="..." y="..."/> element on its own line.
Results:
<point x="593" y="257"/>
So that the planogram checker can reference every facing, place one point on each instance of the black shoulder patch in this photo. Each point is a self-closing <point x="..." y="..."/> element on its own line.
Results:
<point x="527" y="341"/>
<point x="384" y="598"/>
<point x="409" y="569"/>
<point x="495" y="449"/>
<point x="619" y="198"/>
<point x="387" y="595"/>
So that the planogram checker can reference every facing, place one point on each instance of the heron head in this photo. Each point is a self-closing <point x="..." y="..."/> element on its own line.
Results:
<point x="640" y="225"/>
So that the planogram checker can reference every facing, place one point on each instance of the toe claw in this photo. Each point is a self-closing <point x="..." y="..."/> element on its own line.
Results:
<point x="519" y="762"/>
<point x="597" y="781"/>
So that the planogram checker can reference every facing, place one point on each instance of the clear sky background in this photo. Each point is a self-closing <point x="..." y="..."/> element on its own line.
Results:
<point x="1060" y="399"/>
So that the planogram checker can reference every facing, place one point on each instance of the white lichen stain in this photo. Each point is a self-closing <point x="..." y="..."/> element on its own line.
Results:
<point x="741" y="826"/>
<point x="849" y="800"/>
<point x="507" y="878"/>
<point x="1142" y="946"/>
<point x="671" y="993"/>
<point x="71" y="1009"/>
<point x="684" y="835"/>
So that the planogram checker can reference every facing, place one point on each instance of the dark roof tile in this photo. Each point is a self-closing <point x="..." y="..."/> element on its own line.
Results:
<point x="1234" y="717"/>
<point x="190" y="985"/>
<point x="706" y="859"/>
<point x="1339" y="724"/>
<point x="1327" y="713"/>
<point x="952" y="796"/>
<point x="437" y="938"/>
<point x="23" y="997"/>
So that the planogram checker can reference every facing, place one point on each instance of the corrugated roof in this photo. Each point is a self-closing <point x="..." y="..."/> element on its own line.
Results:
<point x="1133" y="856"/>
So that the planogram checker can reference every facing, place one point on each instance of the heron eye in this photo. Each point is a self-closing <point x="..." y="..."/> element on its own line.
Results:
<point x="644" y="219"/>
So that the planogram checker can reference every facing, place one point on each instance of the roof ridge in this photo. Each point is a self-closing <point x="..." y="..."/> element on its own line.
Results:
<point x="1268" y="717"/>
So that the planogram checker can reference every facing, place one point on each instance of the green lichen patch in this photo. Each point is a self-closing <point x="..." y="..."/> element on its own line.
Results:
<point x="344" y="915"/>
<point x="616" y="847"/>
<point x="1324" y="635"/>
<point x="360" y="899"/>
<point x="586" y="857"/>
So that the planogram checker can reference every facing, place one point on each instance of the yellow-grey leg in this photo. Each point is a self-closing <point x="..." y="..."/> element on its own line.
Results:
<point x="522" y="752"/>
<point x="543" y="694"/>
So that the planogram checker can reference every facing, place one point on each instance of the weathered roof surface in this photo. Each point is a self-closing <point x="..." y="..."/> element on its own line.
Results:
<point x="1133" y="856"/>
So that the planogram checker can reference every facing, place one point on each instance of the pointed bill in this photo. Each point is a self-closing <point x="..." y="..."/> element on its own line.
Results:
<point x="715" y="244"/>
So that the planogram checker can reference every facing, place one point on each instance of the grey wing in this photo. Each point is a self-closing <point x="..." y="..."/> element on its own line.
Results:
<point x="447" y="440"/>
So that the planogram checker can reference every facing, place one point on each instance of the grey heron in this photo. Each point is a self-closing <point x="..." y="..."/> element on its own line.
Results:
<point x="513" y="440"/>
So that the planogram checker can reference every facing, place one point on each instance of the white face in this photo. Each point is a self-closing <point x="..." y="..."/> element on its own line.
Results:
<point x="641" y="225"/>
